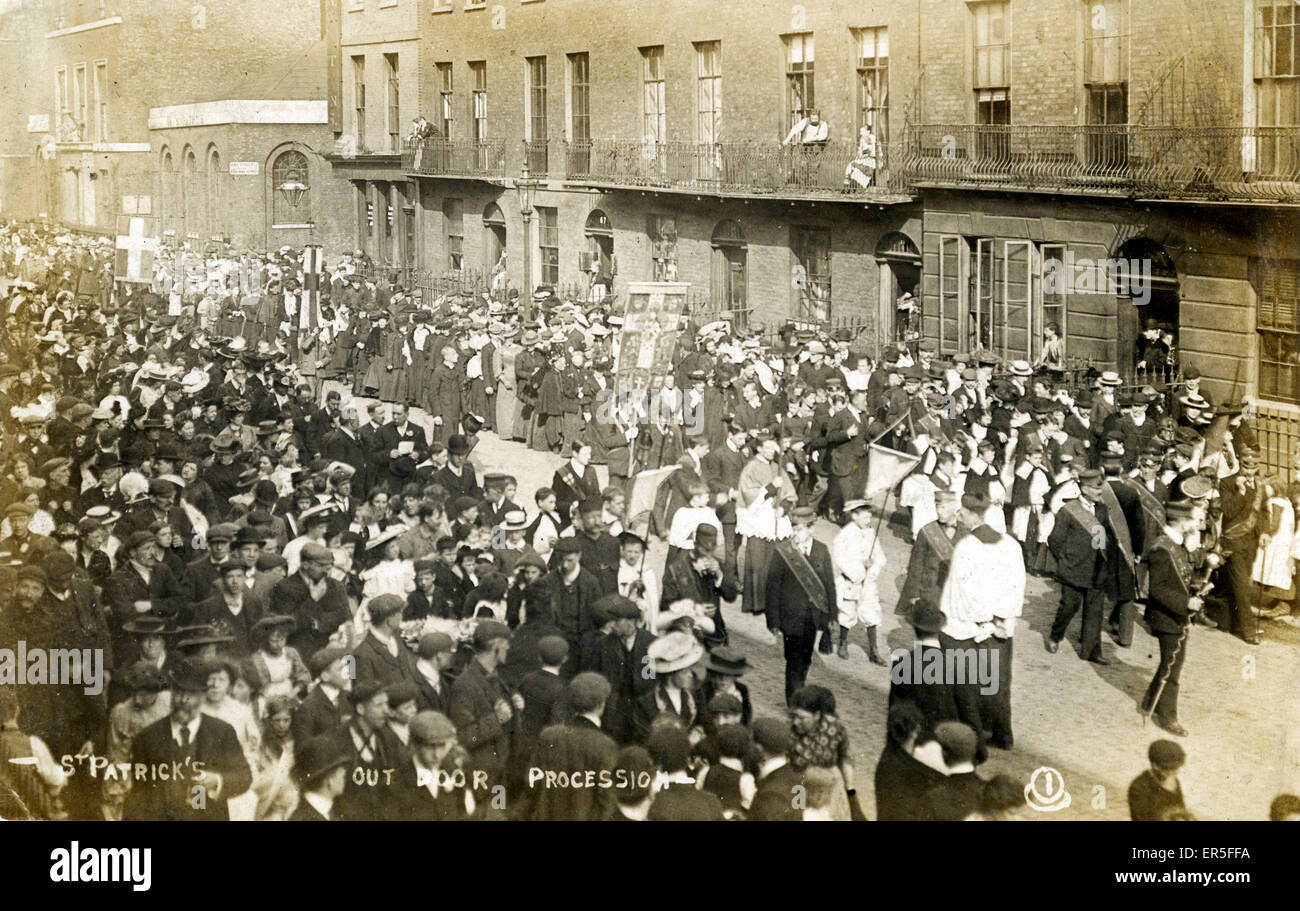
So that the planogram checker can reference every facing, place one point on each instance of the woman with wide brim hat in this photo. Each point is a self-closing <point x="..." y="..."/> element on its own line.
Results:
<point x="388" y="572"/>
<point x="674" y="657"/>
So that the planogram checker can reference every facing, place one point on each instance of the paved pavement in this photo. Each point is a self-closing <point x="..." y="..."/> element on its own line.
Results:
<point x="1241" y="703"/>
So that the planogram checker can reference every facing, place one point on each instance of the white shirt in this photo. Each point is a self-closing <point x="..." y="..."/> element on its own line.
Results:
<point x="193" y="729"/>
<point x="986" y="582"/>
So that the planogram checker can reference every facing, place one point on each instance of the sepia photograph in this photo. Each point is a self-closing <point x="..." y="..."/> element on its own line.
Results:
<point x="634" y="410"/>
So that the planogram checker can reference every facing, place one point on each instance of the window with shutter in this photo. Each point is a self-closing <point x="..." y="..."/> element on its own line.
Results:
<point x="1277" y="287"/>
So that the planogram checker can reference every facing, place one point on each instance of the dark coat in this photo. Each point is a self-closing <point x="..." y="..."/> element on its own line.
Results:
<point x="902" y="784"/>
<point x="317" y="716"/>
<point x="215" y="746"/>
<point x="788" y="609"/>
<point x="773" y="799"/>
<point x="375" y="662"/>
<point x="1078" y="543"/>
<point x="316" y="619"/>
<point x="1170" y="586"/>
<point x="570" y="489"/>
<point x="473" y="696"/>
<point x="685" y="803"/>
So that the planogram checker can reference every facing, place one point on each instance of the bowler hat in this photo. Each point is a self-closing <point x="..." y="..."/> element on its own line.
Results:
<point x="189" y="675"/>
<point x="727" y="660"/>
<point x="317" y="757"/>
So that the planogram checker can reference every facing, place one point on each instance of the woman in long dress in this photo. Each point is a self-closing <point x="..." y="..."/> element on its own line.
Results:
<point x="1273" y="568"/>
<point x="507" y="396"/>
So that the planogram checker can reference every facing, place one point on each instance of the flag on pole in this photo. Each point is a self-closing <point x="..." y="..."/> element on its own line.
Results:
<point x="313" y="277"/>
<point x="886" y="468"/>
<point x="645" y="490"/>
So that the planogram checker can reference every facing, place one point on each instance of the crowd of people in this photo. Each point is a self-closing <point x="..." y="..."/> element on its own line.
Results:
<point x="311" y="606"/>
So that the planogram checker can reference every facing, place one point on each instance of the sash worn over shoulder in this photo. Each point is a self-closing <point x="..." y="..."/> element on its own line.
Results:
<point x="805" y="575"/>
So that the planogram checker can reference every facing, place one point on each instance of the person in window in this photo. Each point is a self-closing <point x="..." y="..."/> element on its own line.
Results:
<point x="808" y="131"/>
<point x="862" y="169"/>
<point x="1053" y="354"/>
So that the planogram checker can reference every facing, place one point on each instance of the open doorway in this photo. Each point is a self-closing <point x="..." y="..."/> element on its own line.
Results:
<point x="899" y="263"/>
<point x="1147" y="310"/>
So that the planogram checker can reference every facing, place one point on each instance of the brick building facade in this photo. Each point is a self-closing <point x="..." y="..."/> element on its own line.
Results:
<point x="144" y="113"/>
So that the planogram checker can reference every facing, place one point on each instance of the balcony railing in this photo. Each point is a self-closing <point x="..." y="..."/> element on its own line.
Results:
<point x="1208" y="163"/>
<point x="730" y="168"/>
<point x="455" y="158"/>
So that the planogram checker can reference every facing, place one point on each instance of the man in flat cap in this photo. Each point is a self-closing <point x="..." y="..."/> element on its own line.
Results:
<point x="574" y="591"/>
<point x="620" y="657"/>
<point x="1157" y="795"/>
<point x="22" y="544"/>
<point x="327" y="707"/>
<point x="313" y="598"/>
<point x="434" y="781"/>
<point x="382" y="655"/>
<point x="481" y="706"/>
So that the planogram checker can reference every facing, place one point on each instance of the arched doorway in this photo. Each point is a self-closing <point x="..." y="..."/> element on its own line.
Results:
<point x="213" y="194"/>
<point x="597" y="261"/>
<point x="899" y="263"/>
<point x="729" y="287"/>
<point x="190" y="192"/>
<point x="167" y="206"/>
<point x="494" y="237"/>
<point x="1147" y="305"/>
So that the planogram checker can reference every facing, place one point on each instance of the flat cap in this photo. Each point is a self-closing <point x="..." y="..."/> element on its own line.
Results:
<point x="489" y="630"/>
<point x="384" y="606"/>
<point x="1166" y="754"/>
<point x="958" y="740"/>
<point x="432" y="728"/>
<point x="773" y="735"/>
<point x="322" y="659"/>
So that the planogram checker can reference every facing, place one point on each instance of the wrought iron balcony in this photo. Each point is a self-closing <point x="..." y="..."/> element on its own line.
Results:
<point x="455" y="158"/>
<point x="829" y="170"/>
<point x="1258" y="164"/>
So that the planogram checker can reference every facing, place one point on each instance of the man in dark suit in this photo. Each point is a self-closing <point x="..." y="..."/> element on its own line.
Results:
<point x="722" y="467"/>
<point x="579" y="745"/>
<point x="1171" y="602"/>
<point x="432" y="781"/>
<point x="376" y="458"/>
<point x="846" y="444"/>
<point x="620" y="658"/>
<point x="326" y="708"/>
<point x="319" y="603"/>
<point x="141" y="584"/>
<point x="435" y="654"/>
<point x="776" y="778"/>
<point x="935" y="699"/>
<point x="1079" y="543"/>
<point x="481" y="706"/>
<point x="574" y="481"/>
<point x="679" y="799"/>
<point x="799" y="596"/>
<point x="458" y="476"/>
<point x="344" y="444"/>
<point x="958" y="795"/>
<point x="399" y="447"/>
<point x="1241" y="497"/>
<point x="931" y="556"/>
<point x="382" y="655"/>
<point x="324" y="421"/>
<point x="698" y="576"/>
<point x="203" y="747"/>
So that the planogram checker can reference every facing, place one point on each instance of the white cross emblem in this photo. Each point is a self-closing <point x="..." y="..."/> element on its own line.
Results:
<point x="135" y="244"/>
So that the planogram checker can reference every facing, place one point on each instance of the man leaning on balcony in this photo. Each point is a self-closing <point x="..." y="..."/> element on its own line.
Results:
<point x="810" y="131"/>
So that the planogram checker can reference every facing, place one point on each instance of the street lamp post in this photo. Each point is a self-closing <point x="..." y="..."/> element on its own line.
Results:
<point x="524" y="186"/>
